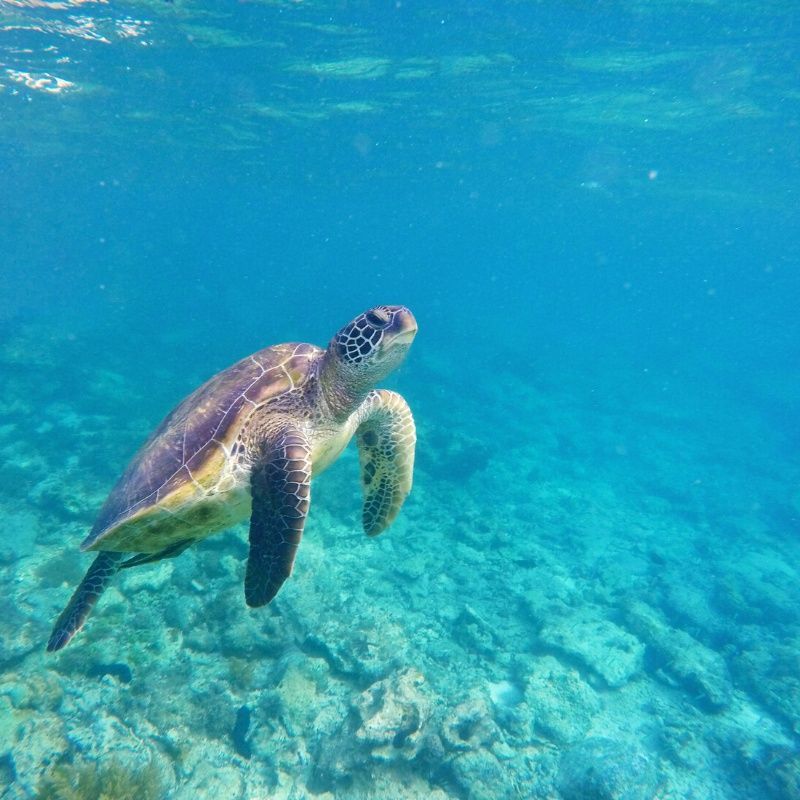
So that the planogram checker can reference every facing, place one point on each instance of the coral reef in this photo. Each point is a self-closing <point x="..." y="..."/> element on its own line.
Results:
<point x="111" y="781"/>
<point x="393" y="717"/>
<point x="563" y="705"/>
<point x="586" y="637"/>
<point x="702" y="671"/>
<point x="604" y="769"/>
<point x="600" y="645"/>
<point x="469" y="725"/>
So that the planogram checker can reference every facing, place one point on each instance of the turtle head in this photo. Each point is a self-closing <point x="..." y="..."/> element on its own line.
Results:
<point x="371" y="346"/>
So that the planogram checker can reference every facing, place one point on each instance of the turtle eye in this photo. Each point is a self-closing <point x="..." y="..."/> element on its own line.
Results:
<point x="378" y="318"/>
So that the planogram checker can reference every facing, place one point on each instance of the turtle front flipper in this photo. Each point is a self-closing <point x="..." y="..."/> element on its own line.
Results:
<point x="94" y="583"/>
<point x="386" y="439"/>
<point x="280" y="486"/>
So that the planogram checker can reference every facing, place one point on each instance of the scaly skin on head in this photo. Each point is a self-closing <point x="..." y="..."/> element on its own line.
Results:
<point x="362" y="353"/>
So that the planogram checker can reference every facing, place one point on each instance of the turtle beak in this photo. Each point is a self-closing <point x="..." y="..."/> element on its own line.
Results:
<point x="403" y="327"/>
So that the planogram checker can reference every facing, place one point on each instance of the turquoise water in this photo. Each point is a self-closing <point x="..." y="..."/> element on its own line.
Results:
<point x="592" y="591"/>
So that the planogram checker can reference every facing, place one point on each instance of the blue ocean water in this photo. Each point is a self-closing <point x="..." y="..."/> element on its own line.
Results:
<point x="592" y="210"/>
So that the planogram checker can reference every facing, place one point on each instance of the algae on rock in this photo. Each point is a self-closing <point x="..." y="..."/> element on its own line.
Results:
<point x="600" y="645"/>
<point x="394" y="714"/>
<point x="564" y="704"/>
<point x="113" y="781"/>
<point x="699" y="669"/>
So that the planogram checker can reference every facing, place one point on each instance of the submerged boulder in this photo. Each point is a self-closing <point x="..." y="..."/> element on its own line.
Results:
<point x="480" y="776"/>
<point x="597" y="643"/>
<point x="700" y="670"/>
<point x="605" y="769"/>
<point x="389" y="723"/>
<point x="394" y="715"/>
<point x="564" y="703"/>
<point x="469" y="726"/>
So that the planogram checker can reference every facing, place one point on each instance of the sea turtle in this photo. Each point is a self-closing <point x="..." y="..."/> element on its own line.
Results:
<point x="246" y="444"/>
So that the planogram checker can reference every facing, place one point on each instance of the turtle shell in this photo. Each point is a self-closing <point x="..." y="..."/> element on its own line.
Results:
<point x="173" y="489"/>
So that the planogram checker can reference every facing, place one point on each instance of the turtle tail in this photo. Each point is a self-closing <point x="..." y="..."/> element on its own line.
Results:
<point x="94" y="583"/>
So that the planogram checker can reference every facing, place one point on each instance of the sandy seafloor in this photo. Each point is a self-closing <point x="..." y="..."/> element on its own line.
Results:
<point x="593" y="592"/>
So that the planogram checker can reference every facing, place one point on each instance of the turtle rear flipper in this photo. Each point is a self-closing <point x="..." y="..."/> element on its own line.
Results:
<point x="386" y="439"/>
<point x="94" y="583"/>
<point x="171" y="551"/>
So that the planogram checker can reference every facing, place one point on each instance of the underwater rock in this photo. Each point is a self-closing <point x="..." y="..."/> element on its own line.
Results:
<point x="510" y="710"/>
<point x="9" y="725"/>
<point x="40" y="691"/>
<point x="698" y="669"/>
<point x="479" y="776"/>
<point x="303" y="692"/>
<point x="19" y="540"/>
<point x="66" y="495"/>
<point x="782" y="773"/>
<point x="118" y="778"/>
<point x="212" y="773"/>
<point x="394" y="715"/>
<point x="414" y="568"/>
<point x="20" y="466"/>
<point x="390" y="722"/>
<point x="149" y="577"/>
<point x="181" y="615"/>
<point x="603" y="647"/>
<point x="32" y="740"/>
<point x="758" y="757"/>
<point x="604" y="769"/>
<point x="680" y="735"/>
<point x="475" y="633"/>
<point x="764" y="592"/>
<point x="250" y="638"/>
<point x="351" y="652"/>
<point x="469" y="726"/>
<point x="122" y="672"/>
<point x="563" y="703"/>
<point x="20" y="634"/>
<point x="769" y="669"/>
<point x="687" y="603"/>
<point x="336" y="762"/>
